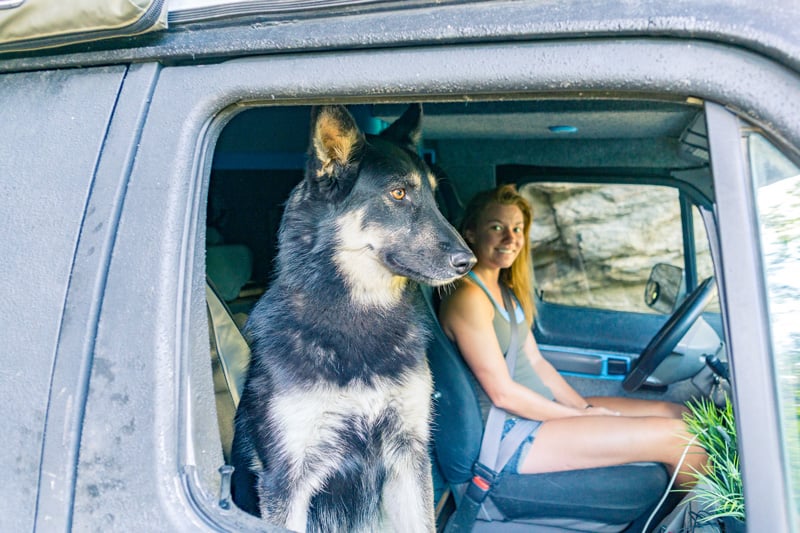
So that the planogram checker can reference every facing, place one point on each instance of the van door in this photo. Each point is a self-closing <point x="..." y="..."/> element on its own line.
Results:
<point x="53" y="126"/>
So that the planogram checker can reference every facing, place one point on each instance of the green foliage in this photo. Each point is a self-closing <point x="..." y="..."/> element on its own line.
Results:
<point x="719" y="487"/>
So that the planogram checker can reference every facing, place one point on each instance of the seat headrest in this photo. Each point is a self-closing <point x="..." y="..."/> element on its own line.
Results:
<point x="229" y="266"/>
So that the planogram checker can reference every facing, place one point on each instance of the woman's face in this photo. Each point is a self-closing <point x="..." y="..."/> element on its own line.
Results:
<point x="498" y="236"/>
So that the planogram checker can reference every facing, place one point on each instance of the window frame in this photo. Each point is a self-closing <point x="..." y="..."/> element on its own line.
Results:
<point x="740" y="277"/>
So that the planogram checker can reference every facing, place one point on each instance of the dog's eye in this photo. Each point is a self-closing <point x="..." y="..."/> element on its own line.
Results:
<point x="398" y="194"/>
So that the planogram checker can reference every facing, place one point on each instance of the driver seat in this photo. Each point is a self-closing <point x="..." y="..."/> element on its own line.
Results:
<point x="609" y="499"/>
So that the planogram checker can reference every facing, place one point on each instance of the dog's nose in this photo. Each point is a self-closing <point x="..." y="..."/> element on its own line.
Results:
<point x="462" y="261"/>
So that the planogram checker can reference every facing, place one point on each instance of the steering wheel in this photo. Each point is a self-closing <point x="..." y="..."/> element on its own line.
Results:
<point x="670" y="334"/>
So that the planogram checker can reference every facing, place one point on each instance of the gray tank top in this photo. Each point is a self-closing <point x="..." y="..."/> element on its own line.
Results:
<point x="524" y="372"/>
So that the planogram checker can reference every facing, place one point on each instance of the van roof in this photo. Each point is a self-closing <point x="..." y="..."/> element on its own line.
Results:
<point x="213" y="30"/>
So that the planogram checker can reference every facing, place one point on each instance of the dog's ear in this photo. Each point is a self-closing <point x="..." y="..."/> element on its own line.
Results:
<point x="333" y="151"/>
<point x="407" y="129"/>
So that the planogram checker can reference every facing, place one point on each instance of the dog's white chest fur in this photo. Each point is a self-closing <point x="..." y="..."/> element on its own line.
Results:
<point x="312" y="422"/>
<point x="313" y="416"/>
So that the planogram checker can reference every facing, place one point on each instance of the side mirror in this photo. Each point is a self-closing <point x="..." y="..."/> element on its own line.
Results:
<point x="663" y="288"/>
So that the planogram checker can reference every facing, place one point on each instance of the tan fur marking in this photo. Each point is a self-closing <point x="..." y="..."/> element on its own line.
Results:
<point x="415" y="180"/>
<point x="332" y="143"/>
<point x="398" y="284"/>
<point x="432" y="179"/>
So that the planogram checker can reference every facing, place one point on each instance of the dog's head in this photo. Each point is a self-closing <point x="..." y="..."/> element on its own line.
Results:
<point x="386" y="226"/>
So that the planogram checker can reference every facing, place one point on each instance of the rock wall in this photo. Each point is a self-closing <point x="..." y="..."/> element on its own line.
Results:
<point x="594" y="245"/>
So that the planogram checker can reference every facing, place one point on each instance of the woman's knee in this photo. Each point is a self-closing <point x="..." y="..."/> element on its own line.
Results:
<point x="673" y="429"/>
<point x="676" y="439"/>
<point x="674" y="410"/>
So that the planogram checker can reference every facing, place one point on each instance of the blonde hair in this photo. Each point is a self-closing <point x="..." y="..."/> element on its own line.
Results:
<point x="518" y="277"/>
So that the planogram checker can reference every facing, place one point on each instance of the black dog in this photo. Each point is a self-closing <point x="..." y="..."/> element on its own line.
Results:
<point x="334" y="417"/>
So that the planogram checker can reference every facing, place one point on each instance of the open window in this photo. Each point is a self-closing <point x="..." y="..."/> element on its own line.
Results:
<point x="599" y="228"/>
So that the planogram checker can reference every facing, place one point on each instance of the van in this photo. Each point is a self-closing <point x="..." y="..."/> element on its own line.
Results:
<point x="659" y="143"/>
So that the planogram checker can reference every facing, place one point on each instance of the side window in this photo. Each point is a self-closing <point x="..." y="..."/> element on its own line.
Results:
<point x="703" y="260"/>
<point x="705" y="265"/>
<point x="595" y="245"/>
<point x="778" y="202"/>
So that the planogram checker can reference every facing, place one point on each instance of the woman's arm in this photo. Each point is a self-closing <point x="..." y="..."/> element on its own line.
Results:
<point x="563" y="391"/>
<point x="466" y="317"/>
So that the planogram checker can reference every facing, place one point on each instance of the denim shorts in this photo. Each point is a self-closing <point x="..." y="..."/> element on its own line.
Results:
<point x="512" y="466"/>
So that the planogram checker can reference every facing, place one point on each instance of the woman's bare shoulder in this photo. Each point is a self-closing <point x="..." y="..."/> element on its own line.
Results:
<point x="465" y="299"/>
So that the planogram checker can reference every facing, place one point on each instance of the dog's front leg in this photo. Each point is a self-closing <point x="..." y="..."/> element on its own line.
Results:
<point x="298" y="514"/>
<point x="288" y="507"/>
<point x="277" y="500"/>
<point x="407" y="498"/>
<point x="284" y="498"/>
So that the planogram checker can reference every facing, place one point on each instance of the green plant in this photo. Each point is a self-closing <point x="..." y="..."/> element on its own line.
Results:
<point x="719" y="482"/>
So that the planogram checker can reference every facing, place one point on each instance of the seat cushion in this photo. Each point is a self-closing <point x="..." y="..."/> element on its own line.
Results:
<point x="618" y="494"/>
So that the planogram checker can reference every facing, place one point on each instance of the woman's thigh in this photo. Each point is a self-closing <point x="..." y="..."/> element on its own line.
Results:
<point x="597" y="441"/>
<point x="635" y="407"/>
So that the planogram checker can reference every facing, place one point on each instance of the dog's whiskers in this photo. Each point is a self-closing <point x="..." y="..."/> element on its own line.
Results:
<point x="446" y="289"/>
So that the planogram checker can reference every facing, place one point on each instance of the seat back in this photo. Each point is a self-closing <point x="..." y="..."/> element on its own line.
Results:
<point x="457" y="422"/>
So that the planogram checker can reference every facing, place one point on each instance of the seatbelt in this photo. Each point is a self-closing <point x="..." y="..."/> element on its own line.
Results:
<point x="232" y="349"/>
<point x="496" y="450"/>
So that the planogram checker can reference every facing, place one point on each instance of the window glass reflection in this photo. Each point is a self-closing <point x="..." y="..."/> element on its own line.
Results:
<point x="778" y="201"/>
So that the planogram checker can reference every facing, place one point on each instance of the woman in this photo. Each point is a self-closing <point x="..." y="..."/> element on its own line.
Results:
<point x="574" y="432"/>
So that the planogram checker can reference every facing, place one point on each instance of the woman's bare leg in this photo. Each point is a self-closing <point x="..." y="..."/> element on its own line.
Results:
<point x="636" y="407"/>
<point x="597" y="441"/>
